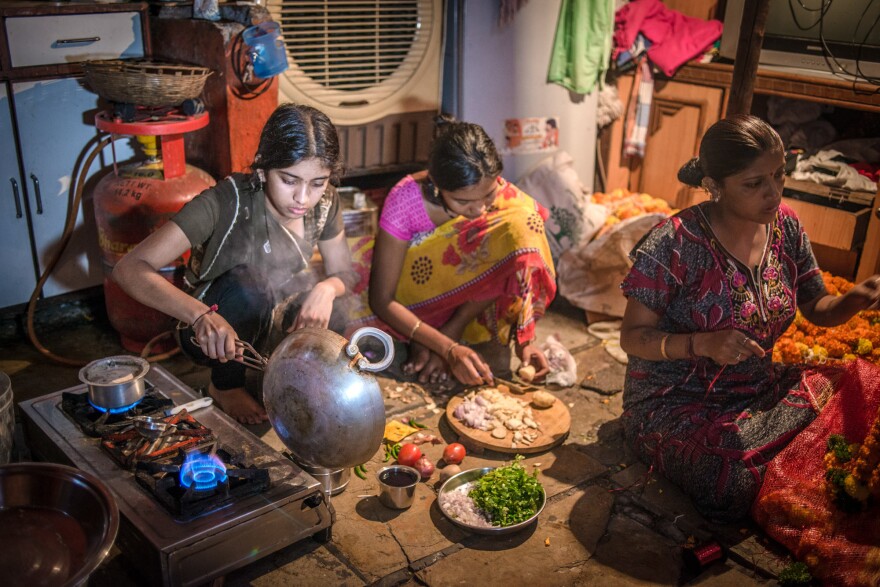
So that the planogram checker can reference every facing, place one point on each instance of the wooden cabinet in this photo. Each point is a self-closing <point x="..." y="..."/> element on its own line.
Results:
<point x="847" y="240"/>
<point x="47" y="130"/>
<point x="680" y="114"/>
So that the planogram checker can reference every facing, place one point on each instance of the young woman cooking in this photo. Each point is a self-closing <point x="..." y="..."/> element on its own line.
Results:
<point x="252" y="237"/>
<point x="710" y="291"/>
<point x="461" y="258"/>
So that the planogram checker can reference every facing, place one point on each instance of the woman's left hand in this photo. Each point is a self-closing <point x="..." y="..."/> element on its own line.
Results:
<point x="531" y="354"/>
<point x="316" y="308"/>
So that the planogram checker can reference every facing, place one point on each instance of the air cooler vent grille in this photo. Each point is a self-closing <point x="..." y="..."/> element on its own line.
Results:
<point x="354" y="52"/>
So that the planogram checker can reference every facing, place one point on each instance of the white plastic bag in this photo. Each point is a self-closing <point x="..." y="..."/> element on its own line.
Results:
<point x="555" y="184"/>
<point x="590" y="275"/>
<point x="563" y="368"/>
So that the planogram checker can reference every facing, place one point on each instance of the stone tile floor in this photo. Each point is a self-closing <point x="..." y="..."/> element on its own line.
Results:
<point x="608" y="520"/>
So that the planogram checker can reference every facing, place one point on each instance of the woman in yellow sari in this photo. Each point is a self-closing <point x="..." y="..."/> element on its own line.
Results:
<point x="461" y="258"/>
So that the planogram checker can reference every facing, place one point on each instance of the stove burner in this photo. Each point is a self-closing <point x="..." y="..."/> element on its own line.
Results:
<point x="121" y="410"/>
<point x="202" y="472"/>
<point x="97" y="422"/>
<point x="194" y="483"/>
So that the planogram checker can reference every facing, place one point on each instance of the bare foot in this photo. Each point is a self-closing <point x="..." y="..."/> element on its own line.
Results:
<point x="239" y="404"/>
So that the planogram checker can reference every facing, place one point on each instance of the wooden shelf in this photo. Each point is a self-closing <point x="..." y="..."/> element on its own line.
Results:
<point x="825" y="89"/>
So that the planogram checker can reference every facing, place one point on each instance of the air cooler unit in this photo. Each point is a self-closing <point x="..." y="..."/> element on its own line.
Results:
<point x="373" y="66"/>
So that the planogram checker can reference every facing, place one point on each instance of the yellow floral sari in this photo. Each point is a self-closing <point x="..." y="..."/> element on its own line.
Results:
<point x="503" y="256"/>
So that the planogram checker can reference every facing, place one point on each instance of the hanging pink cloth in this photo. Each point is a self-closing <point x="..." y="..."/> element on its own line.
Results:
<point x="675" y="38"/>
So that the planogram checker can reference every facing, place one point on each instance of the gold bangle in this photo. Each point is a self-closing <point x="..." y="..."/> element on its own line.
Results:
<point x="449" y="350"/>
<point x="412" y="332"/>
<point x="663" y="346"/>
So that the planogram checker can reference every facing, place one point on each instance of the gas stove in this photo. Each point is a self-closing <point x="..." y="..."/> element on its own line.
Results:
<point x="174" y="529"/>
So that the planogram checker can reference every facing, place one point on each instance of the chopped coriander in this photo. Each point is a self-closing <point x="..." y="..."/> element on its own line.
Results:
<point x="508" y="494"/>
<point x="795" y="574"/>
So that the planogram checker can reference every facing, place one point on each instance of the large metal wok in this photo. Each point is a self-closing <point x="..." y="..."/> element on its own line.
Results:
<point x="321" y="399"/>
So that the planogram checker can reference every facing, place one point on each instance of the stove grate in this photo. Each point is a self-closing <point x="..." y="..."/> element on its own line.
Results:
<point x="162" y="479"/>
<point x="181" y="432"/>
<point x="97" y="423"/>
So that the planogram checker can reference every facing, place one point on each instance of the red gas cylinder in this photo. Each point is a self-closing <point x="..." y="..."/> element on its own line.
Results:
<point x="134" y="201"/>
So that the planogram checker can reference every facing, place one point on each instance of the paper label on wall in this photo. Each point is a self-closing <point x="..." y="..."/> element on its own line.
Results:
<point x="531" y="135"/>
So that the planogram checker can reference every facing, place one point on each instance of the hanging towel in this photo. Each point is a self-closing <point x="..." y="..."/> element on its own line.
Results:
<point x="676" y="38"/>
<point x="639" y="114"/>
<point x="582" y="45"/>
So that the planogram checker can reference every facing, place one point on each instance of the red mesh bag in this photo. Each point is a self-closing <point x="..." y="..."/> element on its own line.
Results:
<point x="794" y="505"/>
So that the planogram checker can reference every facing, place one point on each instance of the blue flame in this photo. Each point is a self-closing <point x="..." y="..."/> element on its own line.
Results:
<point x="121" y="410"/>
<point x="202" y="471"/>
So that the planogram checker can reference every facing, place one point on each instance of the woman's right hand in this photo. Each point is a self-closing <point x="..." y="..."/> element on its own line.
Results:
<point x="727" y="347"/>
<point x="468" y="366"/>
<point x="216" y="337"/>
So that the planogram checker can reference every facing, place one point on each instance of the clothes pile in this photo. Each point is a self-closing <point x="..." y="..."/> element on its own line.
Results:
<point x="647" y="34"/>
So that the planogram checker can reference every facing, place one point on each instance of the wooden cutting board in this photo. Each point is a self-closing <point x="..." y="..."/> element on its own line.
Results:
<point x="554" y="424"/>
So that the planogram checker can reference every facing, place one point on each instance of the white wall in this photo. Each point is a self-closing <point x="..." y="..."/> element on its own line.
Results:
<point x="504" y="75"/>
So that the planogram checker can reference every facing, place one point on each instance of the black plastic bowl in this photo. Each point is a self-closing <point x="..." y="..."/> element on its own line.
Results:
<point x="57" y="524"/>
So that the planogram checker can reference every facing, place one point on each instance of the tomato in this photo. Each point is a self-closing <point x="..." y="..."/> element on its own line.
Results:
<point x="409" y="454"/>
<point x="454" y="453"/>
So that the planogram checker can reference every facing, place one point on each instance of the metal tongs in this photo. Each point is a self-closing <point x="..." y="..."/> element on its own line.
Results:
<point x="152" y="428"/>
<point x="248" y="357"/>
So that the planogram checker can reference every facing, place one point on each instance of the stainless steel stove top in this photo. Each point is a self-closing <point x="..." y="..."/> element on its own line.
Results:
<point x="167" y="550"/>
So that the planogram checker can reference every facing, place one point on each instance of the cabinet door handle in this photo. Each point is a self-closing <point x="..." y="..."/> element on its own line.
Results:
<point x="77" y="41"/>
<point x="37" y="193"/>
<point x="15" y="197"/>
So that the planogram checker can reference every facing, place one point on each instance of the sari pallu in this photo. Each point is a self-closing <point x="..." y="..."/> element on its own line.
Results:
<point x="503" y="255"/>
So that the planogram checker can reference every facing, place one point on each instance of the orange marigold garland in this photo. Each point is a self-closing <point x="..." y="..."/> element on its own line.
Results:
<point x="852" y="471"/>
<point x="806" y="342"/>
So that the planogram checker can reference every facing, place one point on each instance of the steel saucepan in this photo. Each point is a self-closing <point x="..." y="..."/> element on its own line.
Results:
<point x="321" y="399"/>
<point x="115" y="382"/>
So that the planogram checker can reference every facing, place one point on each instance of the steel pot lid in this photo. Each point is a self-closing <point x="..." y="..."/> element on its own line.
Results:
<point x="112" y="371"/>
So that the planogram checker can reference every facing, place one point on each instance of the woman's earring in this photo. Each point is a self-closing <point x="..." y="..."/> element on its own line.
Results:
<point x="714" y="196"/>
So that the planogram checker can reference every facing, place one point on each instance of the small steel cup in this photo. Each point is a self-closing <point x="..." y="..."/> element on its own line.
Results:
<point x="397" y="486"/>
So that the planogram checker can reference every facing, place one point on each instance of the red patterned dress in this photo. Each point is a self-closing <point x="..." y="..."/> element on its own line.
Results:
<point x="712" y="431"/>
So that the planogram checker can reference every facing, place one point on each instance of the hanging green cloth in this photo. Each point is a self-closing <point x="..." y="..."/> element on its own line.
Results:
<point x="582" y="46"/>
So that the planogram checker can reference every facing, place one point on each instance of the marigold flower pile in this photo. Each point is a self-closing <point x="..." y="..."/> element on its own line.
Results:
<point x="623" y="204"/>
<point x="806" y="342"/>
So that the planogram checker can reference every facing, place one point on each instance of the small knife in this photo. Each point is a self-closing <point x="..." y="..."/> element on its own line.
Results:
<point x="516" y="387"/>
<point x="192" y="406"/>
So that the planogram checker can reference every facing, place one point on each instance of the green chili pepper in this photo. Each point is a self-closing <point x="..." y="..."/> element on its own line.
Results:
<point x="361" y="471"/>
<point x="414" y="424"/>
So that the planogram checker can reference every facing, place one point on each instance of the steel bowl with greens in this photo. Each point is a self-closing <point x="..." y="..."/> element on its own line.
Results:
<point x="493" y="500"/>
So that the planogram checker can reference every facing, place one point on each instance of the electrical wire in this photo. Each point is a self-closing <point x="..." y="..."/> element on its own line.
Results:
<point x="243" y="70"/>
<point x="834" y="65"/>
<point x="69" y="225"/>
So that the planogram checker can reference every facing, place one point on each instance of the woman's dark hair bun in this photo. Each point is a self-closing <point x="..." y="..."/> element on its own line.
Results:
<point x="443" y="119"/>
<point x="691" y="173"/>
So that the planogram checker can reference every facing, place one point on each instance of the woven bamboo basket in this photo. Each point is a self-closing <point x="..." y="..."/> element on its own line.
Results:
<point x="145" y="83"/>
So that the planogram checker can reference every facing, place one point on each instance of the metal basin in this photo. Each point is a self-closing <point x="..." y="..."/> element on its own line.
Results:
<point x="467" y="478"/>
<point x="57" y="524"/>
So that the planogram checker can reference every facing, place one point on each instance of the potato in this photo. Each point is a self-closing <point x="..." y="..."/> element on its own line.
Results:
<point x="448" y="471"/>
<point x="526" y="373"/>
<point x="543" y="399"/>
